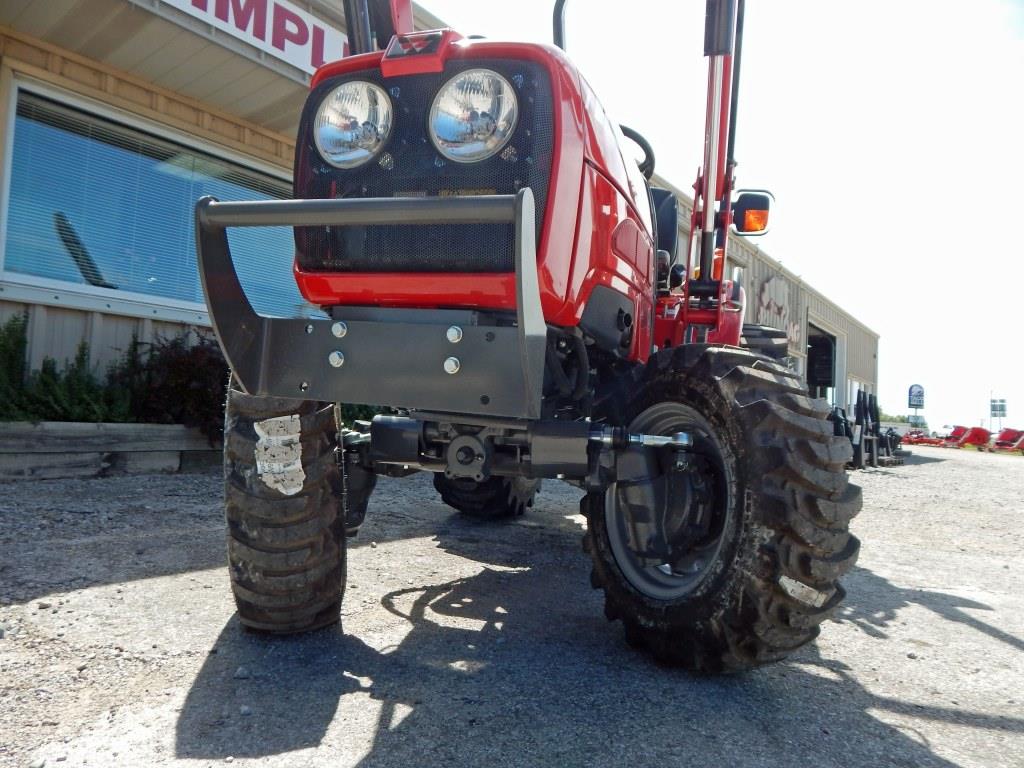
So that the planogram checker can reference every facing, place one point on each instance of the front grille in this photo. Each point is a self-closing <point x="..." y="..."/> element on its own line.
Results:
<point x="409" y="166"/>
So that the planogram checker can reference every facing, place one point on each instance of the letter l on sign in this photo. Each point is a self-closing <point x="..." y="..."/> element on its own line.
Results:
<point x="279" y="28"/>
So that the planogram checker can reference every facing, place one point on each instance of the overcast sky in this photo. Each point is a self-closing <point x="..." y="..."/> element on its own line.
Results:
<point x="890" y="132"/>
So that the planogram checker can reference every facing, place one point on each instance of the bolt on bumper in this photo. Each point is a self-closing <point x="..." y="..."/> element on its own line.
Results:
<point x="374" y="356"/>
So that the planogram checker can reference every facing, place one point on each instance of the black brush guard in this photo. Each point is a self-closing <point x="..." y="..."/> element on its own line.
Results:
<point x="394" y="357"/>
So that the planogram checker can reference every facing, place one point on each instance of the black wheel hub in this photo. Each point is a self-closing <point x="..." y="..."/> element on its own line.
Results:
<point x="685" y="509"/>
<point x="691" y="512"/>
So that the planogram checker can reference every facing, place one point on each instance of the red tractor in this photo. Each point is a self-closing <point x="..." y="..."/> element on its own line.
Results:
<point x="499" y="277"/>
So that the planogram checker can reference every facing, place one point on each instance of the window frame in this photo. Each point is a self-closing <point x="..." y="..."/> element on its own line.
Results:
<point x="30" y="289"/>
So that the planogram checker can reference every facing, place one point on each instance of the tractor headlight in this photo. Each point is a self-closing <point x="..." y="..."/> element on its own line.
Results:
<point x="473" y="116"/>
<point x="352" y="124"/>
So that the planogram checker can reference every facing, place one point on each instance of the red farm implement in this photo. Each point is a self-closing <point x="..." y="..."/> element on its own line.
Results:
<point x="1008" y="441"/>
<point x="920" y="437"/>
<point x="962" y="437"/>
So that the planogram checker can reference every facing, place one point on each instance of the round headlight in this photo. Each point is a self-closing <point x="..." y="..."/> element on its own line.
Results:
<point x="473" y="116"/>
<point x="352" y="124"/>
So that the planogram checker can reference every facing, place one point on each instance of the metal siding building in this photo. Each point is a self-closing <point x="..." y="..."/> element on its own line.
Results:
<point x="195" y="98"/>
<point x="778" y="298"/>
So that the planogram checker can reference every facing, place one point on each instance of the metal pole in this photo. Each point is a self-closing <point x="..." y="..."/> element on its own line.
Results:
<point x="558" y="23"/>
<point x="736" y="59"/>
<point x="719" y="42"/>
<point x="357" y="25"/>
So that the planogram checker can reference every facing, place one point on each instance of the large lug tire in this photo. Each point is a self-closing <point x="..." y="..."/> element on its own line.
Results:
<point x="494" y="499"/>
<point x="286" y="529"/>
<point x="766" y="574"/>
<point x="765" y="340"/>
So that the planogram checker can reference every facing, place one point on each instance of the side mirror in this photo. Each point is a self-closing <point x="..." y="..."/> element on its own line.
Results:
<point x="664" y="262"/>
<point x="750" y="212"/>
<point x="676" y="275"/>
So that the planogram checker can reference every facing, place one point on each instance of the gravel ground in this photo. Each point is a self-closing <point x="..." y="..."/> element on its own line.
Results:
<point x="475" y="644"/>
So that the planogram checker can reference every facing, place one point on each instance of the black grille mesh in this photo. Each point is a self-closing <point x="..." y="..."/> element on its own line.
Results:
<point x="410" y="166"/>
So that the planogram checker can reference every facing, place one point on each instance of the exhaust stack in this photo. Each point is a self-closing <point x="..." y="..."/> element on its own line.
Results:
<point x="371" y="24"/>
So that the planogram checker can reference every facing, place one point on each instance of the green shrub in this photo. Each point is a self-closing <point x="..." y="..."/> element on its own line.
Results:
<point x="12" y="367"/>
<point x="170" y="381"/>
<point x="181" y="380"/>
<point x="51" y="394"/>
<point x="73" y="394"/>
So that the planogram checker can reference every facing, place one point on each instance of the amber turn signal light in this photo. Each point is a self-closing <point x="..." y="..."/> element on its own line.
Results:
<point x="755" y="221"/>
<point x="750" y="212"/>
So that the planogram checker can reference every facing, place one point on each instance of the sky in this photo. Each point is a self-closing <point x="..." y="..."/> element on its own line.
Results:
<point x="890" y="133"/>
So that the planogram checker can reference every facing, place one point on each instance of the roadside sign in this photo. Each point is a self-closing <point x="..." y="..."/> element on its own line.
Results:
<point x="915" y="397"/>
<point x="998" y="409"/>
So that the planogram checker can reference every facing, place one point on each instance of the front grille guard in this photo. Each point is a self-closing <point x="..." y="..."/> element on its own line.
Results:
<point x="393" y="357"/>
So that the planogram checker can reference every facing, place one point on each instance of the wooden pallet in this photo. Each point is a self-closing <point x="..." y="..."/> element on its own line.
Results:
<point x="890" y="461"/>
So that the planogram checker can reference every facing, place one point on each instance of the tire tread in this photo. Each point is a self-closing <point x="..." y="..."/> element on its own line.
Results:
<point x="286" y="553"/>
<point x="797" y="526"/>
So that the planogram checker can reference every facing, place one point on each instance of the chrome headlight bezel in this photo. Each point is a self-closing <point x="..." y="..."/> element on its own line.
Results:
<point x="500" y="134"/>
<point x="366" y="146"/>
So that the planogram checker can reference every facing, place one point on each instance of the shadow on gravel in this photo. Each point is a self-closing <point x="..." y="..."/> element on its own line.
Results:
<point x="917" y="458"/>
<point x="872" y="604"/>
<point x="534" y="676"/>
<point x="63" y="535"/>
<point x="908" y="461"/>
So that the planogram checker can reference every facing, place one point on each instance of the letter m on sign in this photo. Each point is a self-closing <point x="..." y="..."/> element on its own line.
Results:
<point x="241" y="13"/>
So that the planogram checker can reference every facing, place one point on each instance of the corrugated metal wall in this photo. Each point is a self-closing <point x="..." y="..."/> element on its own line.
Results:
<point x="765" y="280"/>
<point x="57" y="332"/>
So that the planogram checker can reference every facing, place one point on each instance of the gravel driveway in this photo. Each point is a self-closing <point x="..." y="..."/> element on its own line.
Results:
<point x="481" y="644"/>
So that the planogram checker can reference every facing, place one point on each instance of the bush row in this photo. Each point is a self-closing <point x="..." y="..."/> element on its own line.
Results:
<point x="180" y="380"/>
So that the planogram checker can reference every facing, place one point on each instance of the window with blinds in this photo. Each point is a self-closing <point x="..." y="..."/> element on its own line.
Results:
<point x="96" y="203"/>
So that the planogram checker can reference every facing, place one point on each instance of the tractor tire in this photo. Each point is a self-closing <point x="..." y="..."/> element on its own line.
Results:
<point x="494" y="499"/>
<point x="765" y="574"/>
<point x="284" y="502"/>
<point x="765" y="340"/>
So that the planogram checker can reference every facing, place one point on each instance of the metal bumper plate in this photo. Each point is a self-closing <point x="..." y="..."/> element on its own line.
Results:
<point x="397" y="360"/>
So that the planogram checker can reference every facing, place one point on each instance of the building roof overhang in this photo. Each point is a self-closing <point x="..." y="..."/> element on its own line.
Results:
<point x="163" y="45"/>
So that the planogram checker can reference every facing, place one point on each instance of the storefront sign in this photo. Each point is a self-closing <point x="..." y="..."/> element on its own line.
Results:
<point x="276" y="27"/>
<point x="915" y="397"/>
<point x="773" y="308"/>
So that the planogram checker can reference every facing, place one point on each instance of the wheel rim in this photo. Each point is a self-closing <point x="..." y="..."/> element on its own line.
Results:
<point x="692" y="566"/>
